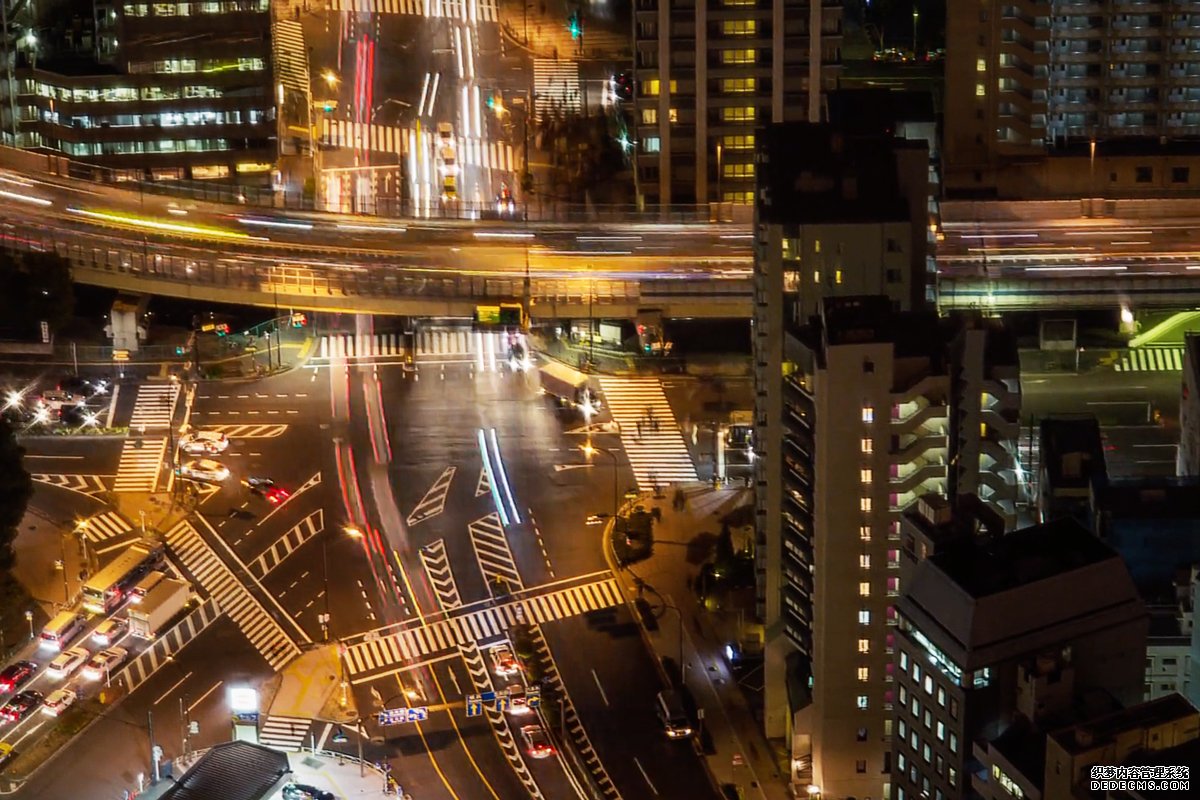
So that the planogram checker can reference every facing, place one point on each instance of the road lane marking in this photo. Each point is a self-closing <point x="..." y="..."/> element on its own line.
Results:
<point x="205" y="696"/>
<point x="603" y="696"/>
<point x="163" y="696"/>
<point x="642" y="770"/>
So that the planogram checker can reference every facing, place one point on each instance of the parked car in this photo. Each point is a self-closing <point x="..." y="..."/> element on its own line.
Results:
<point x="204" y="443"/>
<point x="204" y="470"/>
<point x="537" y="743"/>
<point x="16" y="675"/>
<point x="302" y="791"/>
<point x="19" y="707"/>
<point x="59" y="701"/>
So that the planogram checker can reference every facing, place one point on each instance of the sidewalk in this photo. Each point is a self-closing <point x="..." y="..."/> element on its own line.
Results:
<point x="541" y="28"/>
<point x="328" y="771"/>
<point x="738" y="752"/>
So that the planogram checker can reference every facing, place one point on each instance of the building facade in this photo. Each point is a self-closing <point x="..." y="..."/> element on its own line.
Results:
<point x="858" y="415"/>
<point x="1049" y="97"/>
<point x="1188" y="458"/>
<point x="708" y="73"/>
<point x="998" y="638"/>
<point x="187" y="94"/>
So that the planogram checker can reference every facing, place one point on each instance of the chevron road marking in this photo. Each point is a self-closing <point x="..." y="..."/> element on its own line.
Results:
<point x="248" y="431"/>
<point x="103" y="526"/>
<point x="484" y="486"/>
<point x="434" y="501"/>
<point x="287" y="544"/>
<point x="492" y="552"/>
<point x="437" y="569"/>
<point x="89" y="485"/>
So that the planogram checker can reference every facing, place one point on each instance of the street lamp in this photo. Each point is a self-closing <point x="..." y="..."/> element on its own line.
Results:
<point x="331" y="79"/>
<point x="916" y="16"/>
<point x="590" y="450"/>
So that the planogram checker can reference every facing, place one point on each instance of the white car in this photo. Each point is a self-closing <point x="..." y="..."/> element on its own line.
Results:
<point x="205" y="470"/>
<point x="59" y="701"/>
<point x="537" y="743"/>
<point x="518" y="704"/>
<point x="104" y="662"/>
<point x="68" y="661"/>
<point x="204" y="443"/>
<point x="504" y="663"/>
<point x="109" y="631"/>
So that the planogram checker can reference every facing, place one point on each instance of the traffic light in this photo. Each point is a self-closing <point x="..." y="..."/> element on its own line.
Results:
<point x="575" y="25"/>
<point x="491" y="101"/>
<point x="299" y="320"/>
<point x="623" y="86"/>
<point x="179" y="350"/>
<point x="222" y="329"/>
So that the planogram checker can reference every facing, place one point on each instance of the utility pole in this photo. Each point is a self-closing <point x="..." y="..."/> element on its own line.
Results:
<point x="155" y="750"/>
<point x="183" y="726"/>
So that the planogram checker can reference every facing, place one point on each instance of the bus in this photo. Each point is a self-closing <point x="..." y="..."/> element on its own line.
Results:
<point x="569" y="386"/>
<point x="111" y="586"/>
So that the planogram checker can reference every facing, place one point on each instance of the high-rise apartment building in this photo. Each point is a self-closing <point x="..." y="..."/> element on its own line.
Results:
<point x="999" y="638"/>
<point x="709" y="73"/>
<point x="858" y="414"/>
<point x="1072" y="97"/>
<point x="187" y="93"/>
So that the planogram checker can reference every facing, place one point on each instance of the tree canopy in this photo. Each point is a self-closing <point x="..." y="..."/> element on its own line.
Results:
<point x="16" y="487"/>
<point x="37" y="288"/>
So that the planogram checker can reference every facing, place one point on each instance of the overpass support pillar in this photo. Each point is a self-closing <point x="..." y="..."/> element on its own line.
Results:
<point x="123" y="327"/>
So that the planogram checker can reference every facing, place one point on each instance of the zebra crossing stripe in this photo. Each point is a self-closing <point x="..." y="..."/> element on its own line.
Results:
<point x="655" y="455"/>
<point x="140" y="462"/>
<point x="1152" y="359"/>
<point x="379" y="652"/>
<point x="492" y="552"/>
<point x="480" y="11"/>
<point x="555" y="85"/>
<point x="434" y="501"/>
<point x="289" y="543"/>
<point x="148" y="661"/>
<point x="104" y="526"/>
<point x="154" y="406"/>
<point x="284" y="733"/>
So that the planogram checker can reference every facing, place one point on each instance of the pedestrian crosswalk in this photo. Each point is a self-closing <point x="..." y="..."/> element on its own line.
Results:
<point x="104" y="526"/>
<point x="166" y="645"/>
<point x="465" y="10"/>
<point x="289" y="543"/>
<point x="362" y="137"/>
<point x="652" y="440"/>
<point x="154" y="406"/>
<point x="486" y="348"/>
<point x="493" y="554"/>
<point x="291" y="54"/>
<point x="1152" y="359"/>
<point x="140" y="462"/>
<point x="377" y="345"/>
<point x="248" y="431"/>
<point x="434" y="501"/>
<point x="284" y="733"/>
<point x="555" y="88"/>
<point x="211" y="573"/>
<point x="372" y="654"/>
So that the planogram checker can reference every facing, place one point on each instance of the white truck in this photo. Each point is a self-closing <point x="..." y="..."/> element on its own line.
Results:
<point x="569" y="386"/>
<point x="158" y="607"/>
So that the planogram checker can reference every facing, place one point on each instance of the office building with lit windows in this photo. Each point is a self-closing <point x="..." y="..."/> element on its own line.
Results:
<point x="999" y="640"/>
<point x="1072" y="98"/>
<point x="859" y="413"/>
<point x="709" y="73"/>
<point x="183" y="91"/>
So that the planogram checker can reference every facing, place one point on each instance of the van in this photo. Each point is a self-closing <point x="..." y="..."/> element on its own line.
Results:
<point x="145" y="585"/>
<point x="61" y="630"/>
<point x="674" y="719"/>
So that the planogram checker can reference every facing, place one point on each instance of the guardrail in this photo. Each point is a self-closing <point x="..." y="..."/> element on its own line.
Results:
<point x="1134" y="291"/>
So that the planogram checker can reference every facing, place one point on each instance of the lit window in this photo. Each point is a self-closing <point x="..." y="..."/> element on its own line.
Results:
<point x="864" y="533"/>
<point x="926" y="753"/>
<point x="916" y="673"/>
<point x="980" y="65"/>
<point x="864" y="504"/>
<point x="738" y="56"/>
<point x="673" y="114"/>
<point x="868" y="414"/>
<point x="738" y="85"/>
<point x="816" y="245"/>
<point x="652" y="144"/>
<point x="864" y="589"/>
<point x="739" y="114"/>
<point x="952" y="776"/>
<point x="649" y="116"/>
<point x="837" y="276"/>
<point x="865" y="475"/>
<point x="743" y="170"/>
<point x="864" y="561"/>
<point x="903" y="695"/>
<point x="651" y="87"/>
<point x="741" y="141"/>
<point x="864" y="674"/>
<point x="979" y="90"/>
<point x="941" y="694"/>
<point x="864" y="617"/>
<point x="816" y="276"/>
<point x="902" y="728"/>
<point x="954" y="743"/>
<point x="732" y="3"/>
<point x="868" y="445"/>
<point x="864" y="646"/>
<point x="941" y="731"/>
<point x="862" y="702"/>
<point x="739" y="27"/>
<point x="893" y="558"/>
<point x="928" y="685"/>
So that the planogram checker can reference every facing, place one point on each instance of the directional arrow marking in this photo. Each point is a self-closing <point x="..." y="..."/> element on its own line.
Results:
<point x="565" y="467"/>
<point x="434" y="501"/>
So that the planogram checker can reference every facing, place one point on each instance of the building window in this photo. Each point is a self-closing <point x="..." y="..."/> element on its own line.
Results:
<point x="953" y="708"/>
<point x="1143" y="174"/>
<point x="649" y="116"/>
<point x="868" y="413"/>
<point x="916" y="673"/>
<point x="940" y="729"/>
<point x="893" y="586"/>
<point x="953" y="742"/>
<point x="952" y="776"/>
<point x="904" y="661"/>
<point x="939" y="765"/>
<point x="867" y="445"/>
<point x="861" y="702"/>
<point x="927" y="719"/>
<point x="864" y="675"/>
<point x="861" y="735"/>
<point x="673" y="115"/>
<point x="738" y="56"/>
<point x="738" y="85"/>
<point x="864" y="559"/>
<point x="864" y="589"/>
<point x="739" y="27"/>
<point x="816" y="276"/>
<point x="837" y="277"/>
<point x="737" y="170"/>
<point x="739" y="114"/>
<point x="739" y="3"/>
<point x="864" y="533"/>
<point x="653" y="86"/>
<point x="928" y="685"/>
<point x="1180" y="174"/>
<point x="864" y="617"/>
<point x="652" y="144"/>
<point x="926" y="753"/>
<point x="914" y="706"/>
<point x="903" y="695"/>
<point x="979" y="90"/>
<point x="941" y="695"/>
<point x="865" y="475"/>
<point x="914" y="741"/>
<point x="980" y="65"/>
<point x="864" y="646"/>
<point x="893" y="558"/>
<point x="901" y="764"/>
<point x="860" y="766"/>
<point x="740" y="141"/>
<point x="902" y="729"/>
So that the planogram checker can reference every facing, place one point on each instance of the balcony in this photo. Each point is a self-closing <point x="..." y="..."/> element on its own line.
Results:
<point x="912" y="447"/>
<point x="906" y="477"/>
<point x="1004" y="428"/>
<point x="907" y="417"/>
<point x="923" y="387"/>
<point x="992" y="447"/>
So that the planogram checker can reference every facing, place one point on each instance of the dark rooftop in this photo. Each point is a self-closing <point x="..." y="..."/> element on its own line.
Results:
<point x="1151" y="497"/>
<point x="1073" y="451"/>
<point x="1023" y="557"/>
<point x="1024" y="746"/>
<point x="231" y="771"/>
<point x="1097" y="732"/>
<point x="816" y="173"/>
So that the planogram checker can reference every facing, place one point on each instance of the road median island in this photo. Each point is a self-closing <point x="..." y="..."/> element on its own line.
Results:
<point x="74" y="721"/>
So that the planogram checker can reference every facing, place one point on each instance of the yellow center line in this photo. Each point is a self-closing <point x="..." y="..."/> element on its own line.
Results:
<point x="441" y="695"/>
<point x="428" y="751"/>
